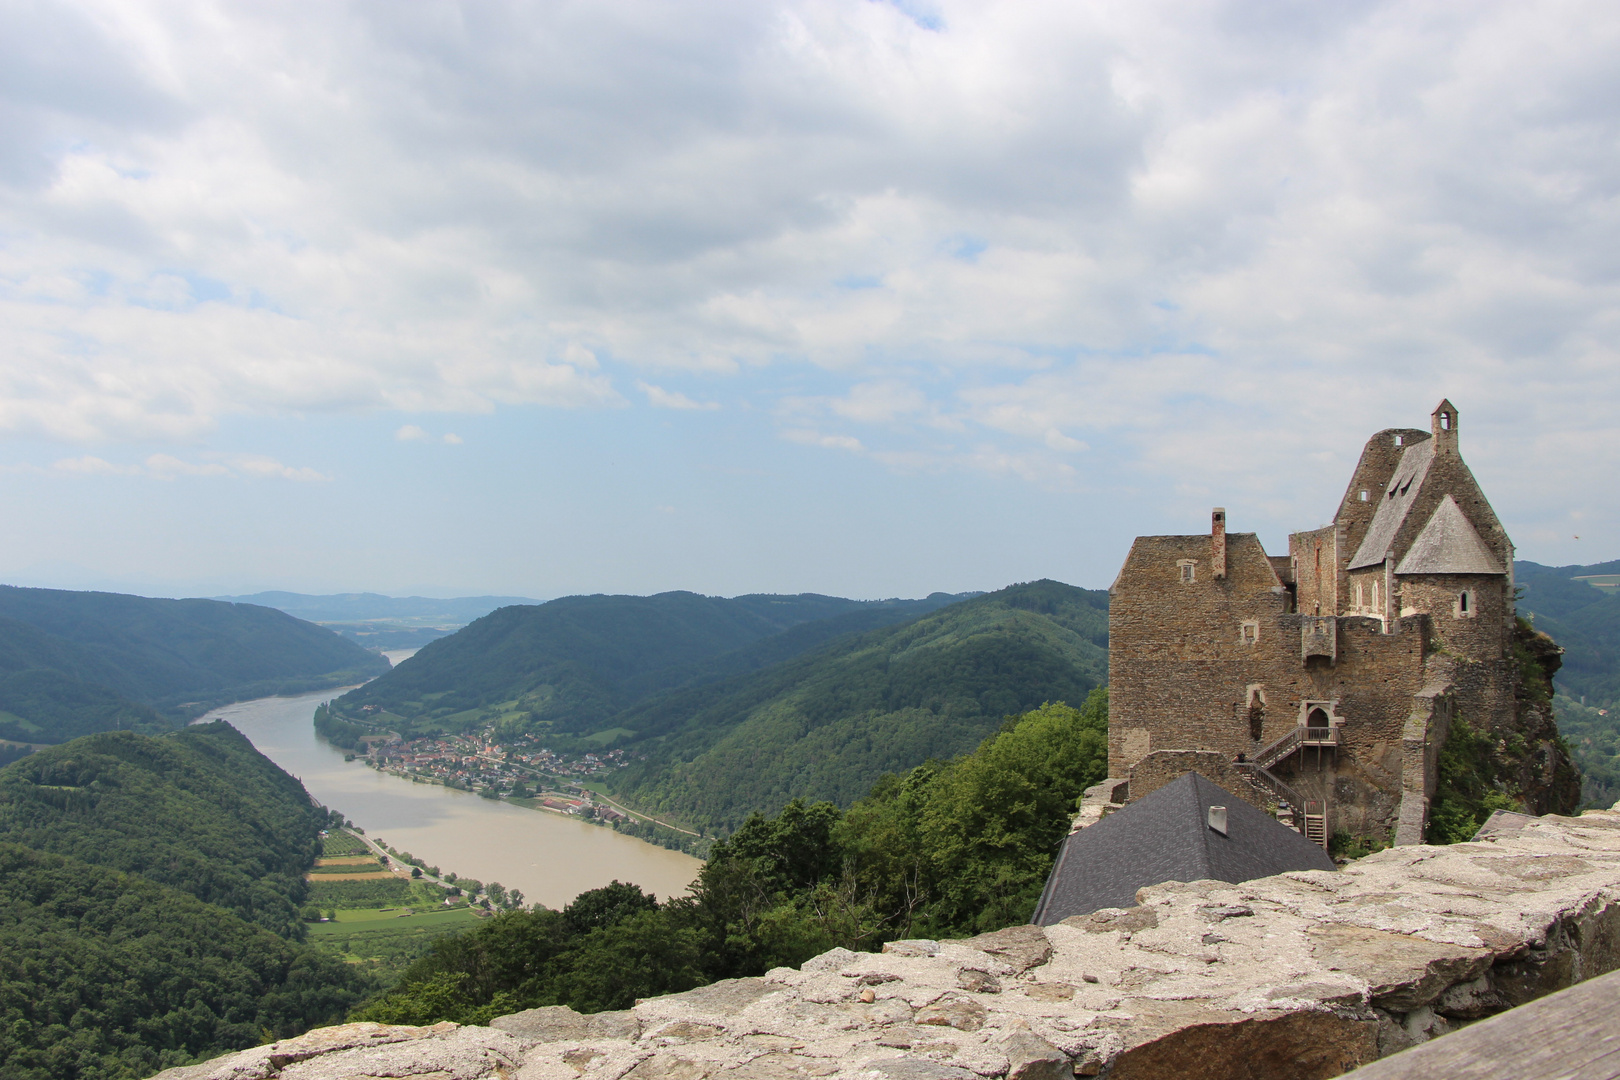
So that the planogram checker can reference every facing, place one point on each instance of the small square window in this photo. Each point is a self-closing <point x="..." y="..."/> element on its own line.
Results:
<point x="1186" y="570"/>
<point x="1251" y="632"/>
<point x="1363" y="496"/>
<point x="1399" y="439"/>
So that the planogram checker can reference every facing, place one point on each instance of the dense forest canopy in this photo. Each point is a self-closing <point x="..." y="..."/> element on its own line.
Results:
<point x="148" y="906"/>
<point x="73" y="663"/>
<point x="200" y="810"/>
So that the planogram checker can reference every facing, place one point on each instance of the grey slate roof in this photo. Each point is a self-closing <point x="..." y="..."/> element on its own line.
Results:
<point x="1395" y="504"/>
<point x="1166" y="836"/>
<point x="1449" y="544"/>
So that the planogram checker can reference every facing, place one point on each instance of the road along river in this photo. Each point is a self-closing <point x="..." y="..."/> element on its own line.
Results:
<point x="550" y="857"/>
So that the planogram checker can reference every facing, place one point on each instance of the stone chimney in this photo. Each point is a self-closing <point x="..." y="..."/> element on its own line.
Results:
<point x="1443" y="423"/>
<point x="1217" y="541"/>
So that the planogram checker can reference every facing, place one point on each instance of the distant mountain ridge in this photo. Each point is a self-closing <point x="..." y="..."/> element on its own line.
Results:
<point x="572" y="664"/>
<point x="741" y="704"/>
<point x="383" y="622"/>
<point x="73" y="663"/>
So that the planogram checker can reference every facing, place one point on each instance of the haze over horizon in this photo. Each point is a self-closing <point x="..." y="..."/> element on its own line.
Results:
<point x="860" y="298"/>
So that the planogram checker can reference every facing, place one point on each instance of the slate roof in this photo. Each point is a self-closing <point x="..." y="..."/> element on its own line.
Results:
<point x="1166" y="836"/>
<point x="1449" y="544"/>
<point x="1395" y="504"/>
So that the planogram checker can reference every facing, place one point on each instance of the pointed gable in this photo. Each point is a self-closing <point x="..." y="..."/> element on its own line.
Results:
<point x="1449" y="544"/>
<point x="1397" y="501"/>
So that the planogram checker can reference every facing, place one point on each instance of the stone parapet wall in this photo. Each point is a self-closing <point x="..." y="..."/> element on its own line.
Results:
<point x="1301" y="976"/>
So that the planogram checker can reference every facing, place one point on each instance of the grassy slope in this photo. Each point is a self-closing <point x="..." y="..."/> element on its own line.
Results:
<point x="827" y="724"/>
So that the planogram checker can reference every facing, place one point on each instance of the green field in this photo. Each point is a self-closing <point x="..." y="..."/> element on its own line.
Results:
<point x="361" y="919"/>
<point x="340" y="842"/>
<point x="383" y="942"/>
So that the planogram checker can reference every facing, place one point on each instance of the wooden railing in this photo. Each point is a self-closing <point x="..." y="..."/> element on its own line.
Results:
<point x="1276" y="751"/>
<point x="1284" y="793"/>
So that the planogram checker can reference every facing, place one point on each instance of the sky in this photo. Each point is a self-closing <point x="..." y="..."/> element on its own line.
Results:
<point x="863" y="298"/>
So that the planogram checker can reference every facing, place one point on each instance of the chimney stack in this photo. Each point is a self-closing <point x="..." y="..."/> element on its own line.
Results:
<point x="1217" y="541"/>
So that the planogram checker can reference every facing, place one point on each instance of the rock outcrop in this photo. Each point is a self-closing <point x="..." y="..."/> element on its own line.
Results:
<point x="1303" y="976"/>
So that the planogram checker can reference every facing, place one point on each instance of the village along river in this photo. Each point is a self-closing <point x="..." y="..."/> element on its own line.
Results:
<point x="550" y="857"/>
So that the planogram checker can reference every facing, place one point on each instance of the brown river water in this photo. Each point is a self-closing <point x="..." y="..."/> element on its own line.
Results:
<point x="550" y="857"/>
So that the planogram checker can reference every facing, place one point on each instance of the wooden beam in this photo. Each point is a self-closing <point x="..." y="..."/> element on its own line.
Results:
<point x="1571" y="1035"/>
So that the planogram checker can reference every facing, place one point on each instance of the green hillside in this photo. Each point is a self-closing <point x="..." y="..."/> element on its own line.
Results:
<point x="1586" y="621"/>
<point x="148" y="898"/>
<point x="569" y="666"/>
<point x="827" y="724"/>
<point x="72" y="663"/>
<point x="200" y="810"/>
<point x="1583" y="619"/>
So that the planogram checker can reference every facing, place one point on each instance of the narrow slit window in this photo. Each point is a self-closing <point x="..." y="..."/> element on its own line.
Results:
<point x="1399" y="439"/>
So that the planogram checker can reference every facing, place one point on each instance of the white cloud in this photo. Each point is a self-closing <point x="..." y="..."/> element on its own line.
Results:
<point x="806" y="437"/>
<point x="410" y="433"/>
<point x="452" y="439"/>
<point x="659" y="398"/>
<point x="1137" y="232"/>
<point x="94" y="466"/>
<point x="168" y="467"/>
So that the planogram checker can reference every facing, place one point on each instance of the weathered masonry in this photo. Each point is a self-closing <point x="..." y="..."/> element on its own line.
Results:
<point x="1330" y="676"/>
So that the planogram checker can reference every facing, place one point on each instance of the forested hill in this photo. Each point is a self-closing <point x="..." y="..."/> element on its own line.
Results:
<point x="148" y="897"/>
<point x="827" y="724"/>
<point x="569" y="666"/>
<point x="200" y="810"/>
<point x="73" y="663"/>
<point x="1584" y="619"/>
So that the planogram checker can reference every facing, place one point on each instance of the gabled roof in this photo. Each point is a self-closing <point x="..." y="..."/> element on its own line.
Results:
<point x="1449" y="544"/>
<point x="1166" y="836"/>
<point x="1396" y="502"/>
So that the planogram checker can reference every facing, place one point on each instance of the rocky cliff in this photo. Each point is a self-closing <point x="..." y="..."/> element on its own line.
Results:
<point x="1299" y="976"/>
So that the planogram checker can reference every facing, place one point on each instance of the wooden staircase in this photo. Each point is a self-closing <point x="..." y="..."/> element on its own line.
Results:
<point x="1316" y="823"/>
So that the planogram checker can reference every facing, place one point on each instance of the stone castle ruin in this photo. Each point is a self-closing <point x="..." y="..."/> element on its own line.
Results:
<point x="1322" y="683"/>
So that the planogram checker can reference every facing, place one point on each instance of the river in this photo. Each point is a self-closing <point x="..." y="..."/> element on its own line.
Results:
<point x="550" y="857"/>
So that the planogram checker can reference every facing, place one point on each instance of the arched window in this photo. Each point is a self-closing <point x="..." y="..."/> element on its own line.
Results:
<point x="1466" y="606"/>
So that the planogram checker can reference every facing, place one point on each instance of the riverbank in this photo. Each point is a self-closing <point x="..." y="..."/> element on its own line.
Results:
<point x="550" y="857"/>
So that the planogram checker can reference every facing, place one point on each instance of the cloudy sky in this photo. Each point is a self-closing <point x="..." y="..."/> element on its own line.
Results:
<point x="855" y="297"/>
